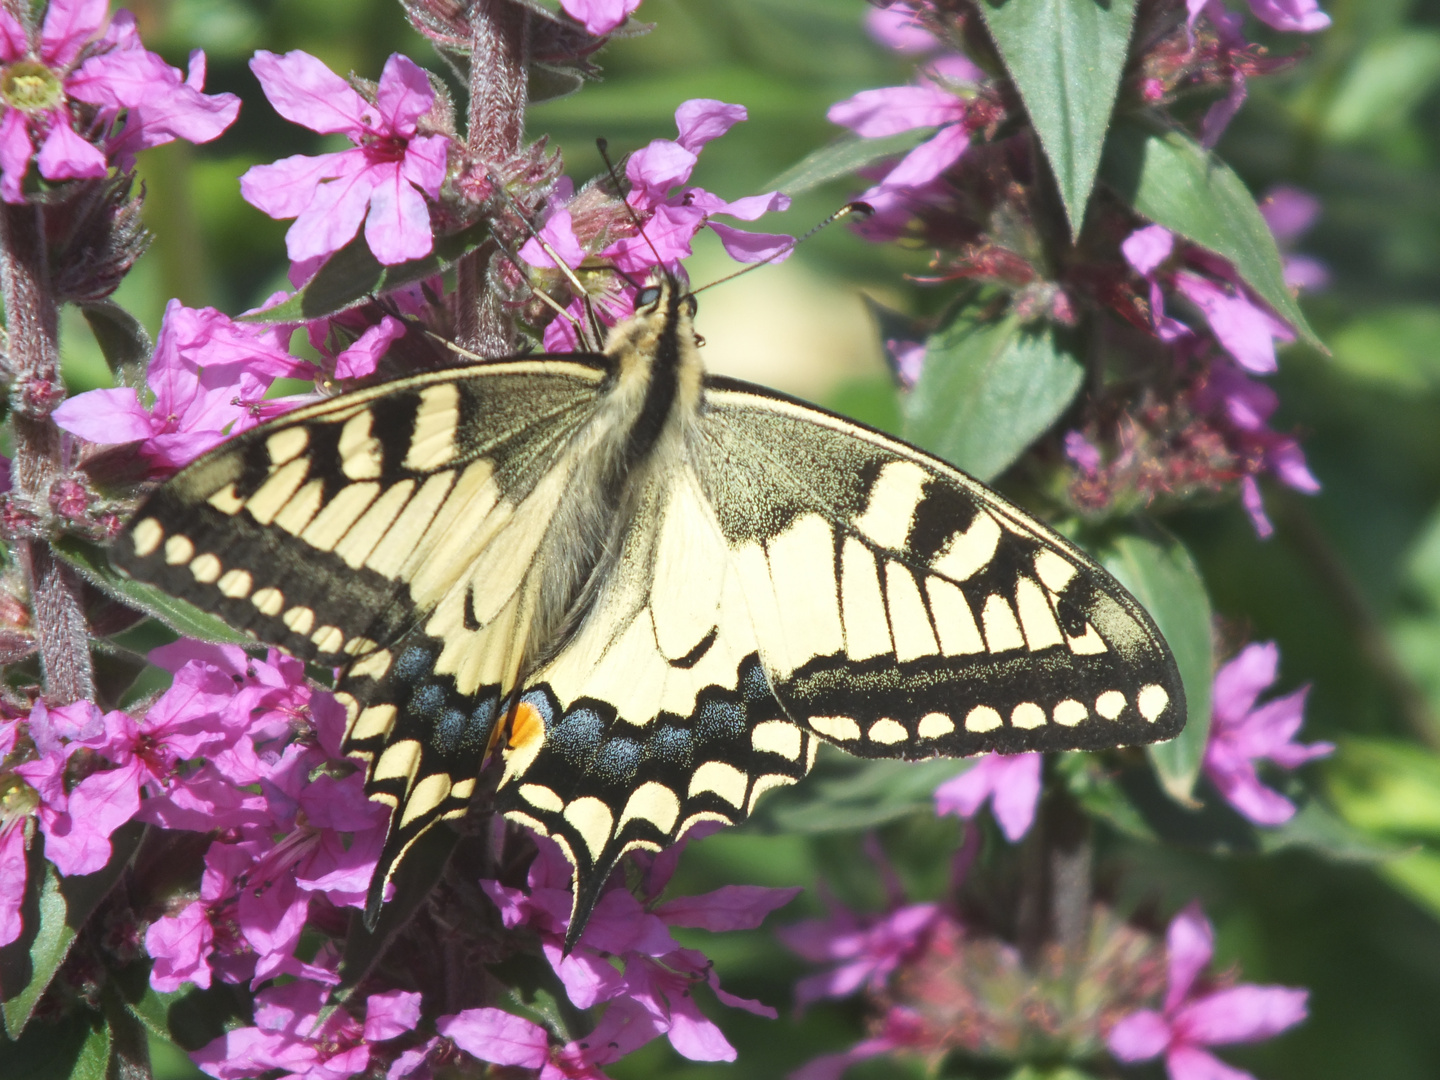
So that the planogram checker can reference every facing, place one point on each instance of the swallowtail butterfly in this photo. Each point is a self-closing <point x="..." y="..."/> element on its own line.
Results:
<point x="650" y="592"/>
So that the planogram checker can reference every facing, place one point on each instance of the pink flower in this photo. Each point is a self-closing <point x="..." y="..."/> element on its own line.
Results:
<point x="1291" y="213"/>
<point x="599" y="17"/>
<point x="1242" y="734"/>
<point x="1010" y="782"/>
<point x="1191" y="1019"/>
<point x="671" y="217"/>
<point x="1245" y="328"/>
<point x="380" y="181"/>
<point x="505" y="1039"/>
<point x="864" y="949"/>
<point x="654" y="972"/>
<point x="77" y="821"/>
<point x="12" y="878"/>
<point x="80" y="60"/>
<point x="289" y="1036"/>
<point x="208" y="374"/>
<point x="1299" y="16"/>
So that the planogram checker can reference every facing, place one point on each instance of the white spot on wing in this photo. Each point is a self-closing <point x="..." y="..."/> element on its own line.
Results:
<point x="777" y="737"/>
<point x="429" y="793"/>
<point x="867" y="631"/>
<point x="592" y="820"/>
<point x="1087" y="644"/>
<point x="652" y="802"/>
<point x="935" y="725"/>
<point x="839" y="728"/>
<point x="1070" y="713"/>
<point x="954" y="622"/>
<point x="966" y="553"/>
<point x="1151" y="701"/>
<point x="435" y="421"/>
<point x="722" y="778"/>
<point x="179" y="550"/>
<point x="802" y="570"/>
<point x="1054" y="570"/>
<point x="542" y="797"/>
<point x="894" y="495"/>
<point x="1028" y="715"/>
<point x="982" y="718"/>
<point x="909" y="621"/>
<point x="888" y="732"/>
<point x="1110" y="704"/>
<point x="147" y="536"/>
<point x="1036" y="618"/>
<point x="1002" y="632"/>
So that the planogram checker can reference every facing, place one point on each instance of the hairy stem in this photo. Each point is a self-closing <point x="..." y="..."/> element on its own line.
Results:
<point x="499" y="92"/>
<point x="1055" y="879"/>
<point x="34" y="360"/>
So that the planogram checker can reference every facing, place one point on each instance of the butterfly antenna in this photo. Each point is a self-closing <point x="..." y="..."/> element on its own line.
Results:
<point x="591" y="335"/>
<point x="859" y="209"/>
<point x="604" y="148"/>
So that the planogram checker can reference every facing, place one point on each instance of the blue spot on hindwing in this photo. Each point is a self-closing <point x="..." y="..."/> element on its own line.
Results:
<point x="720" y="721"/>
<point x="414" y="663"/>
<point x="427" y="701"/>
<point x="449" y="731"/>
<point x="577" y="736"/>
<point x="617" y="762"/>
<point x="672" y="745"/>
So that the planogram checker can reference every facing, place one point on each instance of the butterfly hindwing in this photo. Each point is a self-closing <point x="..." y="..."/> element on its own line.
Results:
<point x="902" y="610"/>
<point x="657" y="714"/>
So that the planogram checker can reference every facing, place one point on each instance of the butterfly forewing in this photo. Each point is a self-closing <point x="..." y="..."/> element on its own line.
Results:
<point x="902" y="610"/>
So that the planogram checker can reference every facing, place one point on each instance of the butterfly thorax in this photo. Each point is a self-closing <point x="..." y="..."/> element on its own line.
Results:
<point x="637" y="433"/>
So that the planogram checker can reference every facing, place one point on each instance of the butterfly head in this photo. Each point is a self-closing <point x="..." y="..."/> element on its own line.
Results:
<point x="662" y="330"/>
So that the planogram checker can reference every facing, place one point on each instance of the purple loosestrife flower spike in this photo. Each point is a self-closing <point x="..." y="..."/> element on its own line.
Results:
<point x="381" y="181"/>
<point x="1242" y="733"/>
<point x="1193" y="1019"/>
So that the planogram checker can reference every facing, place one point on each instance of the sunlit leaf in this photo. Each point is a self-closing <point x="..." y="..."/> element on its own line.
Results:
<point x="1162" y="576"/>
<point x="353" y="275"/>
<point x="987" y="391"/>
<point x="1066" y="58"/>
<point x="842" y="158"/>
<point x="180" y="616"/>
<point x="1175" y="182"/>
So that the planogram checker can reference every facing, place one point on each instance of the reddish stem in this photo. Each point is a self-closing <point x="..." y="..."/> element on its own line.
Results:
<point x="34" y="361"/>
<point x="499" y="92"/>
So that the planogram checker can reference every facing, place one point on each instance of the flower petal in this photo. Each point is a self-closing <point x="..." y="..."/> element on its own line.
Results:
<point x="700" y="120"/>
<point x="1139" y="1036"/>
<point x="1189" y="945"/>
<point x="403" y="95"/>
<point x="306" y="92"/>
<point x="1245" y="1013"/>
<point x="496" y="1036"/>
<point x="893" y="109"/>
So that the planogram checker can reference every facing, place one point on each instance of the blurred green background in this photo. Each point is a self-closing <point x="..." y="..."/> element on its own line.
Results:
<point x="1349" y="586"/>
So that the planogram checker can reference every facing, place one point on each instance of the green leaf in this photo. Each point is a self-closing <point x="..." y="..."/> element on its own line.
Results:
<point x="842" y="158"/>
<point x="1172" y="180"/>
<point x="1162" y="576"/>
<point x="1392" y="347"/>
<point x="1066" y="58"/>
<point x="55" y="910"/>
<point x="1418" y="876"/>
<point x="182" y="617"/>
<point x="353" y="275"/>
<point x="75" y="1048"/>
<point x="987" y="391"/>
<point x="1092" y="781"/>
<point x="1387" y="787"/>
<point x="1317" y="828"/>
<point x="122" y="338"/>
<point x="846" y="794"/>
<point x="1383" y="86"/>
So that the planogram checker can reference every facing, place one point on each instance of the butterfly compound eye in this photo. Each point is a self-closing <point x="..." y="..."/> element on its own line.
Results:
<point x="647" y="296"/>
<point x="692" y="305"/>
